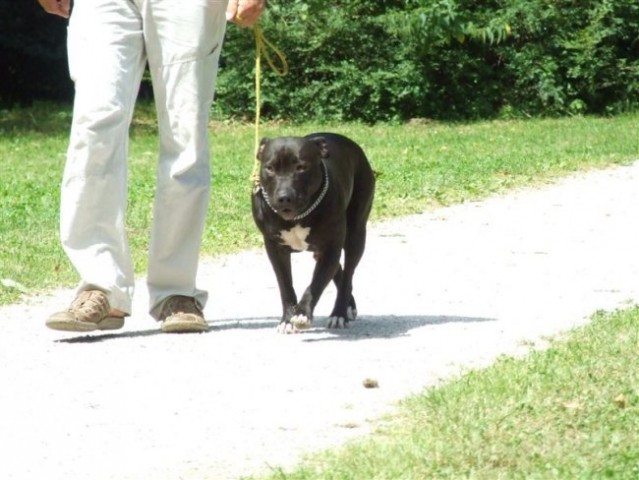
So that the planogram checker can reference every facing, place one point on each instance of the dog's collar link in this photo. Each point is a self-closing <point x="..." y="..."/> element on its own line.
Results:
<point x="310" y="209"/>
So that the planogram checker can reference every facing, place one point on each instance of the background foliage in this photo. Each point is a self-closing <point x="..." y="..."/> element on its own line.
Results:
<point x="391" y="60"/>
<point x="33" y="61"/>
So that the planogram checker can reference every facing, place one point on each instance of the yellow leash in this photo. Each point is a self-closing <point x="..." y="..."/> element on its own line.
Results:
<point x="262" y="46"/>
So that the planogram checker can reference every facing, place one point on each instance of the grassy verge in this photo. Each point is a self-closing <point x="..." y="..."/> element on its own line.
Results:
<point x="568" y="412"/>
<point x="421" y="165"/>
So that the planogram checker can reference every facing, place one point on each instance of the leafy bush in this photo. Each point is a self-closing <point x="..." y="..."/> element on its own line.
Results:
<point x="571" y="57"/>
<point x="446" y="59"/>
<point x="33" y="57"/>
<point x="392" y="60"/>
<point x="343" y="64"/>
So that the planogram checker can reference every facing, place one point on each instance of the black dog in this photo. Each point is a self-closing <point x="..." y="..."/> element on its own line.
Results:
<point x="315" y="193"/>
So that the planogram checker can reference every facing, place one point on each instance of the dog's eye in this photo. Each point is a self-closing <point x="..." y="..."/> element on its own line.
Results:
<point x="300" y="168"/>
<point x="269" y="168"/>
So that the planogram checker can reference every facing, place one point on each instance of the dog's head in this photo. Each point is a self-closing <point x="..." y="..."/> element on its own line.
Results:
<point x="291" y="172"/>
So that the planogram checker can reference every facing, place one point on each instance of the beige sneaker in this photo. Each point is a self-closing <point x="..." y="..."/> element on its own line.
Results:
<point x="182" y="314"/>
<point x="89" y="311"/>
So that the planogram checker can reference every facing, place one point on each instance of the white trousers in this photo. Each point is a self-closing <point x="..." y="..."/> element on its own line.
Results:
<point x="109" y="43"/>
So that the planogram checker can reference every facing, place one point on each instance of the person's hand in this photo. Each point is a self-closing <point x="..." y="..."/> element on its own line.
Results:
<point x="243" y="13"/>
<point x="56" y="7"/>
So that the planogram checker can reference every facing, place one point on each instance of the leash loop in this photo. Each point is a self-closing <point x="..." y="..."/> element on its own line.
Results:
<point x="263" y="45"/>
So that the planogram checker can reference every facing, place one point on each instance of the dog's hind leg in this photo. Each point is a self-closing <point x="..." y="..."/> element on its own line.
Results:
<point x="351" y="309"/>
<point x="344" y="310"/>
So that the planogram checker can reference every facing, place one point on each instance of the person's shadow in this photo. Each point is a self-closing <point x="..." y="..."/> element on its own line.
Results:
<point x="364" y="328"/>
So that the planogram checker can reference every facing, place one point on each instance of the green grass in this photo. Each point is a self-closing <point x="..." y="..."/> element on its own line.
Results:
<point x="568" y="412"/>
<point x="421" y="165"/>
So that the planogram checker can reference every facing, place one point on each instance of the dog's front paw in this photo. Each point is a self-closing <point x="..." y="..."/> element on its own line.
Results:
<point x="296" y="324"/>
<point x="301" y="322"/>
<point x="342" y="321"/>
<point x="337" y="322"/>
<point x="286" y="328"/>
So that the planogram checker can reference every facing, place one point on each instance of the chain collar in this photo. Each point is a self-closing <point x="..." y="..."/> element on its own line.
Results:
<point x="310" y="209"/>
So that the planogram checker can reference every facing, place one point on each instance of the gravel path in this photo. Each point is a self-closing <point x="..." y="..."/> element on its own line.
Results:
<point x="438" y="293"/>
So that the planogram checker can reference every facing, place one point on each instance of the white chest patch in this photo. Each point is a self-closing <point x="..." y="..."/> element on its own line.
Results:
<point x="296" y="237"/>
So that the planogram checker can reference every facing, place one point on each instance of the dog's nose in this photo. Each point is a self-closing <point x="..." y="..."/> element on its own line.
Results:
<point x="284" y="199"/>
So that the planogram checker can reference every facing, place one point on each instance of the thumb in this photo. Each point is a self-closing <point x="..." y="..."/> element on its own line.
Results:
<point x="231" y="9"/>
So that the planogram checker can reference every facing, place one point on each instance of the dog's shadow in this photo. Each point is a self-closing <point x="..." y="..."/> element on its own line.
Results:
<point x="364" y="328"/>
<point x="384" y="326"/>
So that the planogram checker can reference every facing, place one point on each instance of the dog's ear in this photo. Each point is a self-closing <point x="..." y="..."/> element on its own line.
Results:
<point x="321" y="144"/>
<point x="260" y="149"/>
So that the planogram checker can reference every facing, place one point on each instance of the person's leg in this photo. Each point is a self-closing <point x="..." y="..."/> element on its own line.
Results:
<point x="106" y="62"/>
<point x="183" y="42"/>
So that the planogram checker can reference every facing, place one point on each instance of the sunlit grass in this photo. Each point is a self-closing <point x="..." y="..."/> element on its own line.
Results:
<point x="568" y="412"/>
<point x="419" y="166"/>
